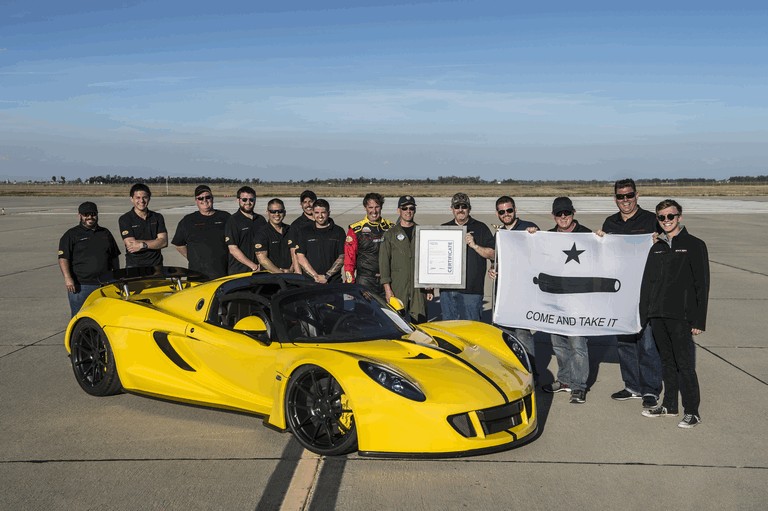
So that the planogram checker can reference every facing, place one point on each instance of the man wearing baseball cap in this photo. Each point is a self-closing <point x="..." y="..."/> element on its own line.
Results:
<point x="467" y="303"/>
<point x="86" y="252"/>
<point x="396" y="262"/>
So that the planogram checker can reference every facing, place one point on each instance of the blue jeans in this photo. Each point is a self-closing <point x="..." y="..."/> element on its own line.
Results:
<point x="640" y="363"/>
<point x="455" y="305"/>
<point x="76" y="299"/>
<point x="572" y="356"/>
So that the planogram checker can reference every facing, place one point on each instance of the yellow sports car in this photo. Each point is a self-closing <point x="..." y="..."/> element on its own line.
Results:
<point x="334" y="364"/>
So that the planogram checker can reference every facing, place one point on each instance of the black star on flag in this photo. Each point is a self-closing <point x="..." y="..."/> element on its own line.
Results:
<point x="573" y="254"/>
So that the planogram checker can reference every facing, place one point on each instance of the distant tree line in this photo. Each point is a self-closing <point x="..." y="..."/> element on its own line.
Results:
<point x="440" y="180"/>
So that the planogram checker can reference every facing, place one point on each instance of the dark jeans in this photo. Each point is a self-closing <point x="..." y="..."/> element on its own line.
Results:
<point x="76" y="299"/>
<point x="678" y="363"/>
<point x="640" y="363"/>
<point x="572" y="354"/>
<point x="455" y="305"/>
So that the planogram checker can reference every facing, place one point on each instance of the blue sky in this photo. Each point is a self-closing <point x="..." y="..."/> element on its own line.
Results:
<point x="296" y="90"/>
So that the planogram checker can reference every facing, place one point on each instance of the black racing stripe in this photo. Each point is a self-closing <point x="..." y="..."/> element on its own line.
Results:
<point x="475" y="369"/>
<point x="161" y="338"/>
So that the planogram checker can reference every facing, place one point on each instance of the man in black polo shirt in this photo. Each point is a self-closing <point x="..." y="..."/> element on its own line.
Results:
<point x="199" y="236"/>
<point x="639" y="359"/>
<point x="86" y="251"/>
<point x="306" y="218"/>
<point x="320" y="247"/>
<point x="240" y="233"/>
<point x="143" y="231"/>
<point x="271" y="241"/>
<point x="467" y="303"/>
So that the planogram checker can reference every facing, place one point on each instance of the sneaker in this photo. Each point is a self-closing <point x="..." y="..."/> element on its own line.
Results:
<point x="625" y="394"/>
<point x="556" y="386"/>
<point x="650" y="401"/>
<point x="659" y="411"/>
<point x="579" y="396"/>
<point x="689" y="421"/>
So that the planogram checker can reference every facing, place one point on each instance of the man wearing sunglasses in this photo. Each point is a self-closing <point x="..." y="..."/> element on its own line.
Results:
<point x="396" y="261"/>
<point x="86" y="251"/>
<point x="199" y="236"/>
<point x="572" y="352"/>
<point x="639" y="360"/>
<point x="271" y="241"/>
<point x="467" y="303"/>
<point x="673" y="298"/>
<point x="507" y="212"/>
<point x="240" y="232"/>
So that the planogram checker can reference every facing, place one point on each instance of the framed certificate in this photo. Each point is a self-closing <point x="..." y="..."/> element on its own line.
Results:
<point x="441" y="257"/>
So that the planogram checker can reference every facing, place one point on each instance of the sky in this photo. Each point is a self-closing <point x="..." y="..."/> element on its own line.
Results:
<point x="381" y="88"/>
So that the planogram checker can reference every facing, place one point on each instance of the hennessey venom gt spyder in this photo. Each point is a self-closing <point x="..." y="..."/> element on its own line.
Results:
<point x="334" y="364"/>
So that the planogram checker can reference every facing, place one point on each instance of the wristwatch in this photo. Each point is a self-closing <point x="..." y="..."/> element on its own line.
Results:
<point x="144" y="245"/>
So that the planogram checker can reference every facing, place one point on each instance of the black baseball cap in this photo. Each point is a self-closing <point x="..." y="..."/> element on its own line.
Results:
<point x="308" y="194"/>
<point x="405" y="200"/>
<point x="88" y="207"/>
<point x="562" y="204"/>
<point x="202" y="188"/>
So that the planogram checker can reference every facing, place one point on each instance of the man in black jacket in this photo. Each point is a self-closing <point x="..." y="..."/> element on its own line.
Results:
<point x="673" y="297"/>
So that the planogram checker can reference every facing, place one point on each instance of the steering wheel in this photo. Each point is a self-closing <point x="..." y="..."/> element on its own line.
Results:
<point x="344" y="323"/>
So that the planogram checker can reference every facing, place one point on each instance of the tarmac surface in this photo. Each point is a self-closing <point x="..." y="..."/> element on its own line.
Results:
<point x="63" y="449"/>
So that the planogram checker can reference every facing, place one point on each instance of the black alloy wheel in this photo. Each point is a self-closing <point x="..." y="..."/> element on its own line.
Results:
<point x="318" y="412"/>
<point x="92" y="360"/>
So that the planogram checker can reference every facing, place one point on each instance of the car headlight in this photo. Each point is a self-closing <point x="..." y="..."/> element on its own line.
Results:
<point x="393" y="381"/>
<point x="517" y="348"/>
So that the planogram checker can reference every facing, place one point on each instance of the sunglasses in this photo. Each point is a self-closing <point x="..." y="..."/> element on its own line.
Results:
<point x="508" y="211"/>
<point x="408" y="208"/>
<point x="276" y="211"/>
<point x="622" y="196"/>
<point x="564" y="213"/>
<point x="247" y="199"/>
<point x="461" y="206"/>
<point x="669" y="216"/>
<point x="203" y="198"/>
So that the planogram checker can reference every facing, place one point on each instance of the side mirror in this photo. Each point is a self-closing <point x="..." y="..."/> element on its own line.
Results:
<point x="251" y="324"/>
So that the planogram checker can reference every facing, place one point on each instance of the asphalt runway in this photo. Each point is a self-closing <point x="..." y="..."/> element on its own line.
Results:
<point x="63" y="449"/>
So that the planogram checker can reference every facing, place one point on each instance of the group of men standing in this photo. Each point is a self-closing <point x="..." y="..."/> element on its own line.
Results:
<point x="380" y="255"/>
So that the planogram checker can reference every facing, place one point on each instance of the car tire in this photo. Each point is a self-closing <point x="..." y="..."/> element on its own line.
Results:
<point x="318" y="412"/>
<point x="92" y="360"/>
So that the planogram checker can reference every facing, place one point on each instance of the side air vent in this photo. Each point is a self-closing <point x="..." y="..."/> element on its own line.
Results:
<point x="161" y="339"/>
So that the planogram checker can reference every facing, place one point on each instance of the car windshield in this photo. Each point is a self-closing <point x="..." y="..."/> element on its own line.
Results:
<point x="339" y="313"/>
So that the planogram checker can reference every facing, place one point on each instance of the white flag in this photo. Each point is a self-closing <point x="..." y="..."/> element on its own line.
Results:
<point x="569" y="283"/>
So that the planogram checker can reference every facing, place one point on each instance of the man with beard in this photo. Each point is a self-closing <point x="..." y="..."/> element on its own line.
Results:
<point x="396" y="262"/>
<point x="361" y="247"/>
<point x="199" y="236"/>
<point x="639" y="360"/>
<point x="507" y="212"/>
<point x="86" y="251"/>
<point x="320" y="246"/>
<point x="240" y="232"/>
<point x="143" y="231"/>
<point x="271" y="241"/>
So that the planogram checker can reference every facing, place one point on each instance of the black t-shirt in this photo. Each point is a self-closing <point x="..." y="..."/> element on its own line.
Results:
<point x="241" y="231"/>
<point x="90" y="252"/>
<point x="321" y="247"/>
<point x="204" y="239"/>
<point x="267" y="239"/>
<point x="133" y="226"/>
<point x="642" y="222"/>
<point x="476" y="264"/>
<point x="409" y="231"/>
<point x="301" y="222"/>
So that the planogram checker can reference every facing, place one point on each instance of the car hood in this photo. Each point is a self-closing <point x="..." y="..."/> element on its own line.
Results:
<point x="449" y="369"/>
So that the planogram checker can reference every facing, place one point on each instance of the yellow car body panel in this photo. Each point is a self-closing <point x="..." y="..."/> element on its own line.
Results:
<point x="165" y="345"/>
